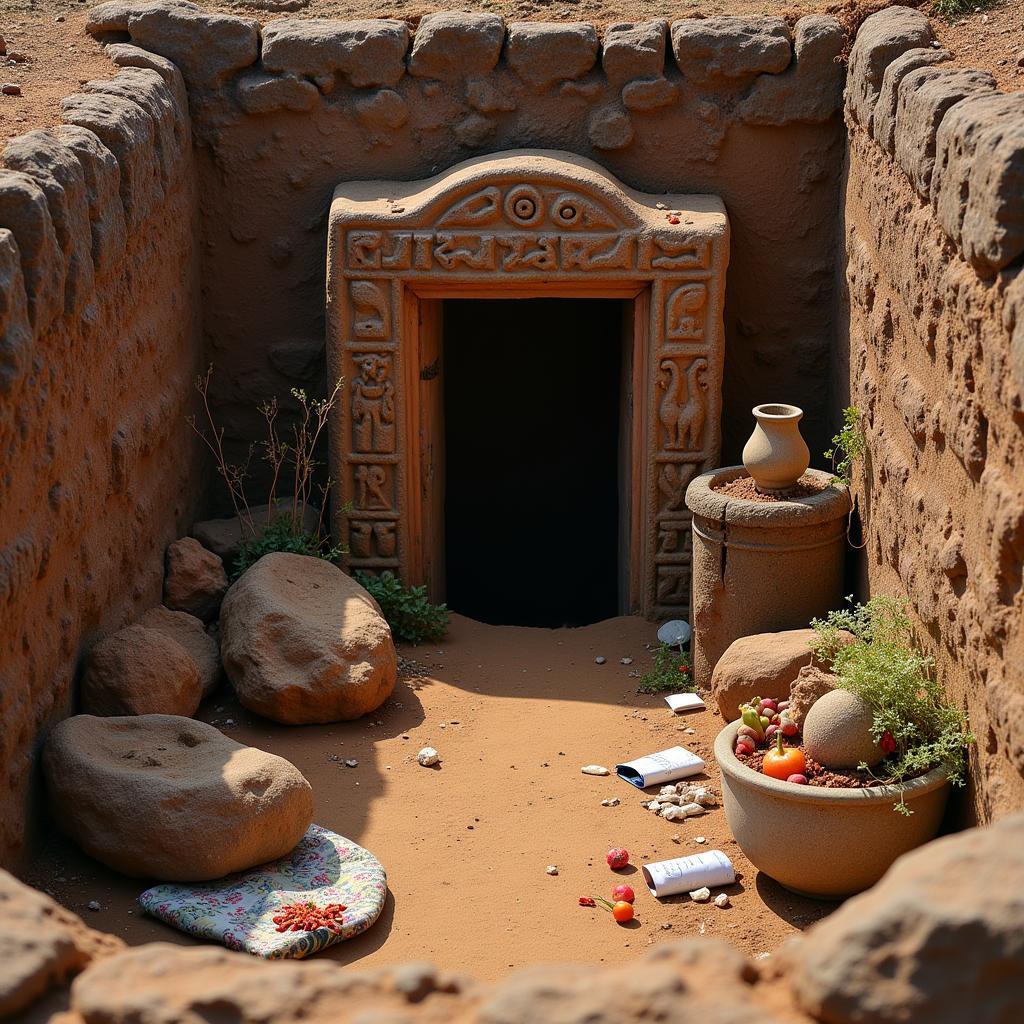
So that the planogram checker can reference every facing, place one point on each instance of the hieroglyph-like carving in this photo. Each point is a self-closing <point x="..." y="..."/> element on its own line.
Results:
<point x="558" y="221"/>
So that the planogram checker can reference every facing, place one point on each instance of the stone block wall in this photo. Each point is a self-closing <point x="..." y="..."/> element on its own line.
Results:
<point x="746" y="108"/>
<point x="934" y="239"/>
<point x="99" y="343"/>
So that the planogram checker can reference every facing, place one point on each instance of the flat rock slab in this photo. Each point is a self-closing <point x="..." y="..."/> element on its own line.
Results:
<point x="304" y="643"/>
<point x="159" y="796"/>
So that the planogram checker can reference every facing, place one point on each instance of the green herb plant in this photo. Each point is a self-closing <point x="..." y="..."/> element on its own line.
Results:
<point x="291" y="457"/>
<point x="409" y="613"/>
<point x="848" y="446"/>
<point x="910" y="709"/>
<point x="672" y="672"/>
<point x="950" y="9"/>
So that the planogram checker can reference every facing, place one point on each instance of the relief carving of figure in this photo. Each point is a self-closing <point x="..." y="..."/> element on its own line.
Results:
<point x="682" y="411"/>
<point x="372" y="315"/>
<point x="373" y="404"/>
<point x="673" y="479"/>
<point x="370" y="481"/>
<point x="686" y="312"/>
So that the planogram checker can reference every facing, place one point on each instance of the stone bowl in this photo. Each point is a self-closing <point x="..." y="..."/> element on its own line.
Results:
<point x="824" y="843"/>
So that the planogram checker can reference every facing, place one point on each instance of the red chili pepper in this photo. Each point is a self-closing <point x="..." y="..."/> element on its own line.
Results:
<point x="586" y="901"/>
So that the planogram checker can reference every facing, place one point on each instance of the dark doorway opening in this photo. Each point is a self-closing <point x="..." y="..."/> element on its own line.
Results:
<point x="533" y="393"/>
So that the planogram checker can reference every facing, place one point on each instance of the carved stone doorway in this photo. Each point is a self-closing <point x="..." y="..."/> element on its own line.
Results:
<point x="521" y="224"/>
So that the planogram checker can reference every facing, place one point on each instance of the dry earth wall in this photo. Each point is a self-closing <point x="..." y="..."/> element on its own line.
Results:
<point x="934" y="237"/>
<point x="99" y="342"/>
<point x="744" y="108"/>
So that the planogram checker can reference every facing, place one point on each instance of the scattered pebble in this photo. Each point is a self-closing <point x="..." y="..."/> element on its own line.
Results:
<point x="351" y="764"/>
<point x="94" y="905"/>
<point x="600" y="659"/>
<point x="625" y="661"/>
<point x="10" y="89"/>
<point x="701" y="895"/>
<point x="595" y="769"/>
<point x="666" y="925"/>
<point x="428" y="757"/>
<point x="700" y="839"/>
<point x="722" y="900"/>
<point x="552" y="869"/>
<point x="677" y="839"/>
<point x="611" y="802"/>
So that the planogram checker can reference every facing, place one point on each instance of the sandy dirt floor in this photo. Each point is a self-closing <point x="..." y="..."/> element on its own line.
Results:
<point x="515" y="713"/>
<point x="59" y="55"/>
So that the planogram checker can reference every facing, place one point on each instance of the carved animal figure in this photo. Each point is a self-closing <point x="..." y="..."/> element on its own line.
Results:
<point x="373" y="404"/>
<point x="372" y="316"/>
<point x="682" y="411"/>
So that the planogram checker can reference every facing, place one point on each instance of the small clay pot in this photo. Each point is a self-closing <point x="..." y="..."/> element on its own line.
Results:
<point x="776" y="455"/>
<point x="824" y="843"/>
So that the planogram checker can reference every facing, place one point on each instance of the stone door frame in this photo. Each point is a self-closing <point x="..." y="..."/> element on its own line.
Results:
<point x="526" y="224"/>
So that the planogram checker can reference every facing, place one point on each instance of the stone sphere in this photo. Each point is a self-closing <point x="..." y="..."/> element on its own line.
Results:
<point x="837" y="731"/>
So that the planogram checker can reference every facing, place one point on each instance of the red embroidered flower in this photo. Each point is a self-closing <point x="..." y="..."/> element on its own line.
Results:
<point x="887" y="742"/>
<point x="586" y="901"/>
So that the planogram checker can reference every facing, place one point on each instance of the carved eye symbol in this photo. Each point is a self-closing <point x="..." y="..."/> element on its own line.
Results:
<point x="567" y="213"/>
<point x="524" y="208"/>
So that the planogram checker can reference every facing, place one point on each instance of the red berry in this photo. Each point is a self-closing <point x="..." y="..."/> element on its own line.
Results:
<point x="623" y="893"/>
<point x="789" y="727"/>
<point x="617" y="858"/>
<point x="799" y="780"/>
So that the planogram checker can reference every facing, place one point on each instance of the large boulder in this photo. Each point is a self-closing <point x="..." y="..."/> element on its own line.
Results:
<point x="159" y="796"/>
<point x="41" y="944"/>
<point x="759" y="665"/>
<point x="195" y="581"/>
<point x="188" y="631"/>
<point x="139" y="671"/>
<point x="302" y="642"/>
<point x="940" y="938"/>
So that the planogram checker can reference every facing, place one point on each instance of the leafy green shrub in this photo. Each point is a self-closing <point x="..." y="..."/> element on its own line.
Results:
<point x="282" y="534"/>
<point x="848" y="446"/>
<point x="410" y="615"/>
<point x="672" y="672"/>
<point x="911" y="714"/>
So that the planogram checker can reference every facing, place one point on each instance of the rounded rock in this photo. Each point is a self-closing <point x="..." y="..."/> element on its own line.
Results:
<point x="160" y="796"/>
<point x="303" y="643"/>
<point x="140" y="671"/>
<point x="837" y="731"/>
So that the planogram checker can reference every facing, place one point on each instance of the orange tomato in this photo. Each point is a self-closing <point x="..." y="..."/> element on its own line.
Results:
<point x="781" y="762"/>
<point x="622" y="911"/>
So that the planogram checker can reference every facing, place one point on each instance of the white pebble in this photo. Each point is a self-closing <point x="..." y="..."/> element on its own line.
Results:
<point x="722" y="900"/>
<point x="600" y="659"/>
<point x="612" y="802"/>
<point x="552" y="869"/>
<point x="693" y="810"/>
<point x="351" y="764"/>
<point x="625" y="661"/>
<point x="93" y="905"/>
<point x="701" y="895"/>
<point x="700" y="839"/>
<point x="595" y="769"/>
<point x="428" y="757"/>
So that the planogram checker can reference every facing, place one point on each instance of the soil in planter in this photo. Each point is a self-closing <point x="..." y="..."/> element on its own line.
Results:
<point x="744" y="487"/>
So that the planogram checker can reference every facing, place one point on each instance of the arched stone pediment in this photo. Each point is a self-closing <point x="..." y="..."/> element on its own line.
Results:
<point x="525" y="223"/>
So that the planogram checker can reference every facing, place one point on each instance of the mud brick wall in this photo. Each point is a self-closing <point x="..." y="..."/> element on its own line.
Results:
<point x="744" y="108"/>
<point x="99" y="343"/>
<point x="934" y="238"/>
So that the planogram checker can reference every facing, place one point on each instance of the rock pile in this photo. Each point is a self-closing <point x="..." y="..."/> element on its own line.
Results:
<point x="159" y="796"/>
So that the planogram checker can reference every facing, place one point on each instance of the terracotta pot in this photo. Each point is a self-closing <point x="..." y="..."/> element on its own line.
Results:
<point x="824" y="843"/>
<point x="775" y="455"/>
<point x="760" y="566"/>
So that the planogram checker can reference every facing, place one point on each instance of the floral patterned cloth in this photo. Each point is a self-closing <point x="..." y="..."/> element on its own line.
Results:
<point x="238" y="910"/>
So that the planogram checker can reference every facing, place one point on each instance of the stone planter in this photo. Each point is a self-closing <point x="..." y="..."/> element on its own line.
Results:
<point x="761" y="567"/>
<point x="824" y="843"/>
